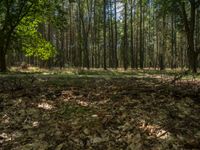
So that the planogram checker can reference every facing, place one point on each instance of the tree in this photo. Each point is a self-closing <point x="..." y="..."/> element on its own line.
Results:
<point x="116" y="36"/>
<point x="91" y="33"/>
<point x="187" y="13"/>
<point x="104" y="34"/>
<point x="132" y="40"/>
<point x="86" y="26"/>
<point x="141" y="36"/>
<point x="190" y="30"/>
<point x="12" y="13"/>
<point x="125" y="42"/>
<point x="32" y="42"/>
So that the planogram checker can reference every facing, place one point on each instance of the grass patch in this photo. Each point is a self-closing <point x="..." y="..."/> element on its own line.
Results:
<point x="95" y="73"/>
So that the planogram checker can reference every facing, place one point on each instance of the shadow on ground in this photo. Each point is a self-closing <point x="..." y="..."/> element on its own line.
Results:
<point x="98" y="113"/>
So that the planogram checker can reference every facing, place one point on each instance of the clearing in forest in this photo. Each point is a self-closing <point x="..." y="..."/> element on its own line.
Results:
<point x="59" y="111"/>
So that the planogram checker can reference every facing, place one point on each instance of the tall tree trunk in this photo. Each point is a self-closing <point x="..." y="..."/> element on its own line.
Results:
<point x="86" y="52"/>
<point x="132" y="44"/>
<point x="190" y="28"/>
<point x="116" y="37"/>
<point x="112" y="36"/>
<point x="2" y="54"/>
<point x="125" y="47"/>
<point x="141" y="37"/>
<point x="162" y="54"/>
<point x="2" y="61"/>
<point x="172" y="41"/>
<point x="104" y="35"/>
<point x="4" y="46"/>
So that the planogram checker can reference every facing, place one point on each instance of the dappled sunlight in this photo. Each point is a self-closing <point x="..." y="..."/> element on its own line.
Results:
<point x="76" y="99"/>
<point x="94" y="116"/>
<point x="8" y="137"/>
<point x="154" y="130"/>
<point x="35" y="124"/>
<point x="4" y="137"/>
<point x="46" y="73"/>
<point x="98" y="103"/>
<point x="84" y="100"/>
<point x="101" y="102"/>
<point x="126" y="113"/>
<point x="70" y="72"/>
<point x="16" y="134"/>
<point x="45" y="106"/>
<point x="82" y="103"/>
<point x="67" y="95"/>
<point x="5" y="119"/>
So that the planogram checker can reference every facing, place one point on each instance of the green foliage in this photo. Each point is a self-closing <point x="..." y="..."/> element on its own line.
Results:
<point x="33" y="44"/>
<point x="12" y="12"/>
<point x="56" y="15"/>
<point x="40" y="48"/>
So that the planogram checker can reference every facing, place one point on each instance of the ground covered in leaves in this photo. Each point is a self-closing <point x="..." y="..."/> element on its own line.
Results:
<point x="58" y="113"/>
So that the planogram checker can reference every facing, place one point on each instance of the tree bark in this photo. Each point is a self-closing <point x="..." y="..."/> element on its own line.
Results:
<point x="132" y="44"/>
<point x="162" y="54"/>
<point x="125" y="47"/>
<point x="2" y="61"/>
<point x="141" y="37"/>
<point x="189" y="29"/>
<point x="104" y="36"/>
<point x="116" y="37"/>
<point x="2" y="54"/>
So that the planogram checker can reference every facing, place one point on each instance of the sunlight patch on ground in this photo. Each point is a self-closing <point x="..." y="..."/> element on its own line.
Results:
<point x="67" y="95"/>
<point x="103" y="102"/>
<point x="46" y="106"/>
<point x="46" y="73"/>
<point x="5" y="119"/>
<point x="94" y="116"/>
<point x="82" y="103"/>
<point x="155" y="130"/>
<point x="35" y="124"/>
<point x="5" y="137"/>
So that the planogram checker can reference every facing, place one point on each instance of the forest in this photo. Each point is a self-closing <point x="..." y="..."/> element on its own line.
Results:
<point x="99" y="74"/>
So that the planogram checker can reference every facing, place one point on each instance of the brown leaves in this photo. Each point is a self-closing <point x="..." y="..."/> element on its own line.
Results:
<point x="100" y="114"/>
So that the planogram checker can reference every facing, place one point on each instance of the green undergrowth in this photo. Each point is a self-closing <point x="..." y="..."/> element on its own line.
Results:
<point x="98" y="73"/>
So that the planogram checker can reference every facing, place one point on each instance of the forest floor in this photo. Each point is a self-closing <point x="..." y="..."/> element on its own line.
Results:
<point x="99" y="110"/>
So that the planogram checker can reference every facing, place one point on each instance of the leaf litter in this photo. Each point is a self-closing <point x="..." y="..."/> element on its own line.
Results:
<point x="97" y="113"/>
